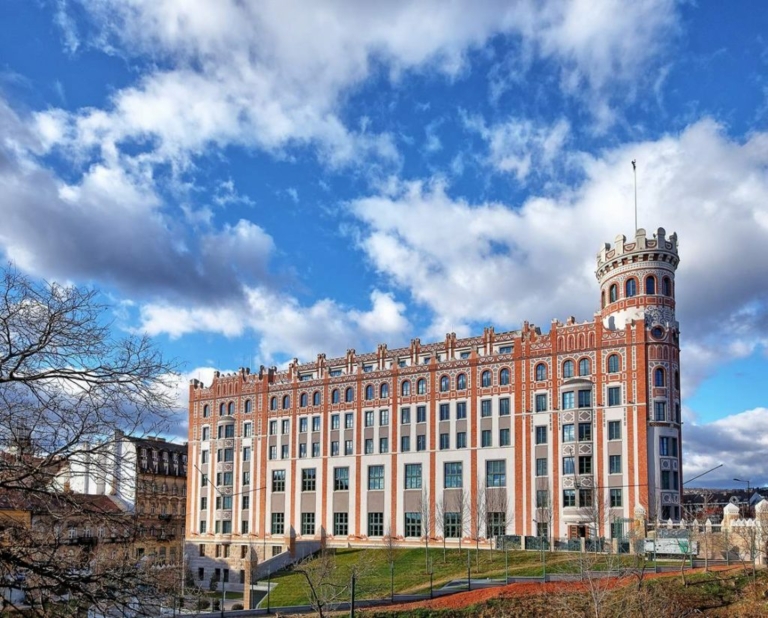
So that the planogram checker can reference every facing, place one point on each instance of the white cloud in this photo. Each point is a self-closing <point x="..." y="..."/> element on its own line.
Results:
<point x="490" y="263"/>
<point x="738" y="441"/>
<point x="284" y="326"/>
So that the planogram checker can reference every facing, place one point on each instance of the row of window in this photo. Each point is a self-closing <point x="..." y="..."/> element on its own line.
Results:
<point x="586" y="499"/>
<point x="630" y="288"/>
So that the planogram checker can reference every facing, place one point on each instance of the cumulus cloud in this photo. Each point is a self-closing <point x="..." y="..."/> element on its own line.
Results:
<point x="738" y="441"/>
<point x="488" y="262"/>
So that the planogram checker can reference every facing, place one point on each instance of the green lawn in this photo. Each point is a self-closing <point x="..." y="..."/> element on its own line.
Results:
<point x="411" y="572"/>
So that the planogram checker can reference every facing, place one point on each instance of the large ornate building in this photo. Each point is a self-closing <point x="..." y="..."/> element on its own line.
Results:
<point x="562" y="434"/>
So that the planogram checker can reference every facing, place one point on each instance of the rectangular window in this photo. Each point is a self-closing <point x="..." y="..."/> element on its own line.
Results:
<point x="341" y="524"/>
<point x="452" y="471"/>
<point x="247" y="430"/>
<point x="568" y="433"/>
<point x="461" y="410"/>
<point x="203" y="526"/>
<point x="660" y="410"/>
<point x="206" y="434"/>
<point x="585" y="464"/>
<point x="673" y="447"/>
<point x="485" y="408"/>
<point x="383" y="417"/>
<point x="445" y="412"/>
<point x="541" y="466"/>
<point x="541" y="434"/>
<point x="405" y="416"/>
<point x="445" y="441"/>
<point x="585" y="498"/>
<point x="665" y="480"/>
<point x="203" y="457"/>
<point x="452" y="525"/>
<point x="315" y="423"/>
<point x="585" y="399"/>
<point x="375" y="524"/>
<point x="542" y="498"/>
<point x="369" y="446"/>
<point x="348" y="450"/>
<point x="285" y="426"/>
<point x="664" y="446"/>
<point x="303" y="424"/>
<point x="349" y="420"/>
<point x="485" y="438"/>
<point x="569" y="400"/>
<point x="413" y="476"/>
<point x="272" y="428"/>
<point x="226" y="526"/>
<point x="334" y="448"/>
<point x="335" y="421"/>
<point x="461" y="439"/>
<point x="496" y="473"/>
<point x="504" y="406"/>
<point x="203" y="503"/>
<point x="203" y="480"/>
<point x="223" y="502"/>
<point x="302" y="449"/>
<point x="278" y="523"/>
<point x="504" y="437"/>
<point x="375" y="477"/>
<point x="369" y="418"/>
<point x="585" y="432"/>
<point x="421" y="443"/>
<point x="614" y="430"/>
<point x="278" y="480"/>
<point x="246" y="502"/>
<point x="614" y="395"/>
<point x="308" y="479"/>
<point x="413" y="524"/>
<point x="383" y="445"/>
<point x="315" y="449"/>
<point x="243" y="527"/>
<point x="505" y="349"/>
<point x="284" y="451"/>
<point x="615" y="498"/>
<point x="405" y="444"/>
<point x="614" y="464"/>
<point x="569" y="465"/>
<point x="569" y="497"/>
<point x="307" y="523"/>
<point x="341" y="479"/>
<point x="541" y="402"/>
<point x="246" y="453"/>
<point x="421" y="414"/>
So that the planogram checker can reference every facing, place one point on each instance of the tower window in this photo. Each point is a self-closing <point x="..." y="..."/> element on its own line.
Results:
<point x="613" y="293"/>
<point x="650" y="285"/>
<point x="631" y="288"/>
<point x="658" y="377"/>
<point x="666" y="286"/>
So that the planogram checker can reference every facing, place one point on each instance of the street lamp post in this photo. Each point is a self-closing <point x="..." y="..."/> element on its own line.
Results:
<point x="748" y="496"/>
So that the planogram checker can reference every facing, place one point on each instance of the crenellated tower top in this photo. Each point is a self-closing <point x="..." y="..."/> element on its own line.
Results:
<point x="637" y="279"/>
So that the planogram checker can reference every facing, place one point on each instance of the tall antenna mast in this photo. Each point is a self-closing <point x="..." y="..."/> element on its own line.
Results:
<point x="634" y="171"/>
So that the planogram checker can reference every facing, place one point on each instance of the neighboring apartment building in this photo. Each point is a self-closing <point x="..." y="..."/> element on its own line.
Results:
<point x="147" y="477"/>
<point x="563" y="434"/>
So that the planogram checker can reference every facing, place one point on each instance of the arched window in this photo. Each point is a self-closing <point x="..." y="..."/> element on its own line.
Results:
<point x="335" y="395"/>
<point x="222" y="408"/>
<point x="650" y="284"/>
<point x="286" y="402"/>
<point x="631" y="288"/>
<point x="349" y="395"/>
<point x="421" y="386"/>
<point x="248" y="406"/>
<point x="613" y="294"/>
<point x="485" y="379"/>
<point x="445" y="384"/>
<point x="231" y="408"/>
<point x="316" y="398"/>
<point x="666" y="286"/>
<point x="504" y="377"/>
<point x="369" y="392"/>
<point x="303" y="400"/>
<point x="461" y="382"/>
<point x="405" y="388"/>
<point x="384" y="391"/>
<point x="613" y="363"/>
<point x="658" y="377"/>
<point x="584" y="369"/>
<point x="568" y="369"/>
<point x="602" y="296"/>
<point x="541" y="372"/>
<point x="206" y="411"/>
<point x="677" y="380"/>
<point x="273" y="403"/>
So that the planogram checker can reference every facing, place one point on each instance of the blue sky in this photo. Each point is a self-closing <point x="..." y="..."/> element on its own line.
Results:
<point x="253" y="182"/>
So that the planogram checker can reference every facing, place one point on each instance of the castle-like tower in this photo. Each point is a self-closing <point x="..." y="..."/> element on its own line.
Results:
<point x="565" y="434"/>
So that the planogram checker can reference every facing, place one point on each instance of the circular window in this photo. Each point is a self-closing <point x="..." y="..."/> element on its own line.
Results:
<point x="657" y="332"/>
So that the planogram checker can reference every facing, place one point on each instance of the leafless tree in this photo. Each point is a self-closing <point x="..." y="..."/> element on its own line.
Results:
<point x="498" y="507"/>
<point x="426" y="521"/>
<point x="66" y="387"/>
<point x="440" y="511"/>
<point x="478" y="516"/>
<point x="327" y="582"/>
